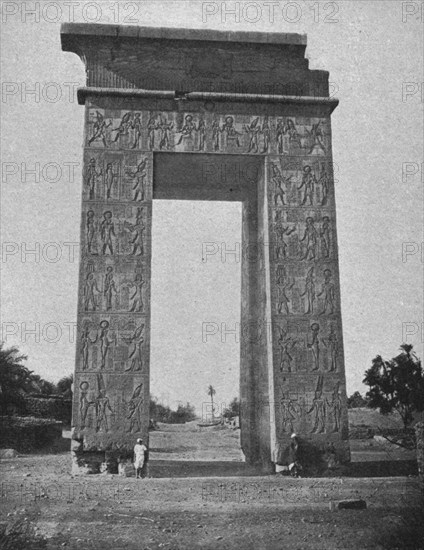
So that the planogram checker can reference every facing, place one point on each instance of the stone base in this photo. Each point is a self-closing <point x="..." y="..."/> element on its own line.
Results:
<point x="95" y="462"/>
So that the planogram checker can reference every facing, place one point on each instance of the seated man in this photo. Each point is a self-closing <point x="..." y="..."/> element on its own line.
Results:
<point x="286" y="458"/>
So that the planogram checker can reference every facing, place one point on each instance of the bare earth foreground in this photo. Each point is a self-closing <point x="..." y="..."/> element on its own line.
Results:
<point x="213" y="500"/>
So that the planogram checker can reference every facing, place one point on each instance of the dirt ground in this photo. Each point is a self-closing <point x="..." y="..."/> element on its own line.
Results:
<point x="44" y="507"/>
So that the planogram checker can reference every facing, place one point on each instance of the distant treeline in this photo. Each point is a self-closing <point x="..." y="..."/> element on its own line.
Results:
<point x="163" y="413"/>
<point x="356" y="401"/>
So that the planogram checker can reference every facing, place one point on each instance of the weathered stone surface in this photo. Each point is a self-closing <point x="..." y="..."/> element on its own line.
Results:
<point x="271" y="153"/>
<point x="194" y="60"/>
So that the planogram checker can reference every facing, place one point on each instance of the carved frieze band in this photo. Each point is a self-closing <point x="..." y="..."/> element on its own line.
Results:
<point x="206" y="132"/>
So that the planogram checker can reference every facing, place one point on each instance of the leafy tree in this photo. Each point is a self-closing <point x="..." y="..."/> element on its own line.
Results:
<point x="396" y="385"/>
<point x="356" y="400"/>
<point x="233" y="409"/>
<point x="184" y="413"/>
<point x="15" y="378"/>
<point x="41" y="386"/>
<point x="64" y="386"/>
<point x="163" y="413"/>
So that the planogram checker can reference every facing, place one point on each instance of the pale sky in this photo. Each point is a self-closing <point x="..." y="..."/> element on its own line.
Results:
<point x="373" y="52"/>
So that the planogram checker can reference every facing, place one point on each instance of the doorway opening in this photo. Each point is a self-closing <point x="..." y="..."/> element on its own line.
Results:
<point x="195" y="332"/>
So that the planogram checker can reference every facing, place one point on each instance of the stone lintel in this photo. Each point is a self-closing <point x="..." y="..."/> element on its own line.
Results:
<point x="70" y="31"/>
<point x="328" y="103"/>
<point x="194" y="60"/>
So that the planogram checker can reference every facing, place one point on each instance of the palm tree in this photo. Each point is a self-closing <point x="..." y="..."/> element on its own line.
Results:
<point x="15" y="378"/>
<point x="211" y="392"/>
<point x="64" y="386"/>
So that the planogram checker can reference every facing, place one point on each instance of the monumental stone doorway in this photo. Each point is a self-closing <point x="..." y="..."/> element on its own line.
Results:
<point x="184" y="114"/>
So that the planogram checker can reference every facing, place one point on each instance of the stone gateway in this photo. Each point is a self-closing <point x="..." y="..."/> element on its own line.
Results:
<point x="206" y="115"/>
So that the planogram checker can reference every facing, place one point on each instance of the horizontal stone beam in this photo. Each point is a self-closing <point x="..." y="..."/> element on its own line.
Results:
<point x="207" y="96"/>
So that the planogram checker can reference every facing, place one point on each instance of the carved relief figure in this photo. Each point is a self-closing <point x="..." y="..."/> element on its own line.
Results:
<point x="311" y="238"/>
<point x="90" y="231"/>
<point x="165" y="128"/>
<point x="280" y="183"/>
<point x="288" y="412"/>
<point x="281" y="274"/>
<point x="152" y="126"/>
<point x="99" y="129"/>
<point x="282" y="232"/>
<point x="315" y="136"/>
<point x="135" y="358"/>
<point x="201" y="130"/>
<point x="187" y="129"/>
<point x="318" y="408"/>
<point x="84" y="403"/>
<point x="279" y="134"/>
<point x="328" y="289"/>
<point x="105" y="342"/>
<point x="325" y="237"/>
<point x="215" y="134"/>
<point x="135" y="407"/>
<point x="136" y="298"/>
<point x="266" y="135"/>
<point x="109" y="287"/>
<point x="90" y="288"/>
<point x="86" y="343"/>
<point x="314" y="346"/>
<point x="136" y="127"/>
<point x="138" y="177"/>
<point x="102" y="404"/>
<point x="253" y="130"/>
<point x="91" y="175"/>
<point x="324" y="181"/>
<point x="332" y="343"/>
<point x="137" y="229"/>
<point x="283" y="287"/>
<point x="107" y="231"/>
<point x="110" y="177"/>
<point x="229" y="130"/>
<point x="123" y="128"/>
<point x="309" y="291"/>
<point x="292" y="133"/>
<point x="308" y="183"/>
<point x="286" y="344"/>
<point x="334" y="407"/>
